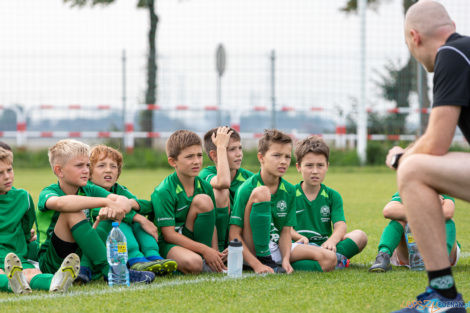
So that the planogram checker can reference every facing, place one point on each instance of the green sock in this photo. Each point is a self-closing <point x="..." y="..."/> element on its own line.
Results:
<point x="133" y="250"/>
<point x="148" y="245"/>
<point x="450" y="235"/>
<point x="91" y="245"/>
<point x="204" y="227"/>
<point x="4" y="286"/>
<point x="391" y="237"/>
<point x="221" y="222"/>
<point x="347" y="247"/>
<point x="307" y="265"/>
<point x="41" y="282"/>
<point x="260" y="222"/>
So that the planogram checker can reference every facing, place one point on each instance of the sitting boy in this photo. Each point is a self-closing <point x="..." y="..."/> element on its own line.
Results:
<point x="224" y="148"/>
<point x="264" y="213"/>
<point x="17" y="274"/>
<point x="141" y="234"/>
<point x="319" y="207"/>
<point x="184" y="208"/>
<point x="393" y="249"/>
<point x="64" y="221"/>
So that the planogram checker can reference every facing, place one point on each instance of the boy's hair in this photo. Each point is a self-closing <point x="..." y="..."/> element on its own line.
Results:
<point x="312" y="144"/>
<point x="6" y="156"/>
<point x="101" y="152"/>
<point x="67" y="149"/>
<point x="5" y="146"/>
<point x="271" y="136"/>
<point x="180" y="140"/>
<point x="209" y="145"/>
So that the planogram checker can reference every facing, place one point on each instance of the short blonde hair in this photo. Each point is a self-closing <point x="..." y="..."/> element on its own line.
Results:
<point x="65" y="150"/>
<point x="6" y="156"/>
<point x="180" y="140"/>
<point x="101" y="152"/>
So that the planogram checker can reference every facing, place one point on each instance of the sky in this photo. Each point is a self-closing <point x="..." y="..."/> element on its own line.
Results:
<point x="54" y="54"/>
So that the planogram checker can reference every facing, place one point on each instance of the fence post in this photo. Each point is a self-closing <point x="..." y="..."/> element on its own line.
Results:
<point x="362" y="115"/>
<point x="273" y="89"/>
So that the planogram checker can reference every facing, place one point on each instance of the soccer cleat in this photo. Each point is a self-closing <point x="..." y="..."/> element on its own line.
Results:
<point x="136" y="277"/>
<point x="341" y="261"/>
<point x="84" y="275"/>
<point x="431" y="301"/>
<point x="382" y="263"/>
<point x="66" y="274"/>
<point x="268" y="261"/>
<point x="14" y="272"/>
<point x="159" y="267"/>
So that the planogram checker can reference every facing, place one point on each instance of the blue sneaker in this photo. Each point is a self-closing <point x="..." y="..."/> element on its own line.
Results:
<point x="84" y="275"/>
<point x="141" y="277"/>
<point x="431" y="301"/>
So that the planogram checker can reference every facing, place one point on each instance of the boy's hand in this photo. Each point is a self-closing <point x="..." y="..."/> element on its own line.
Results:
<point x="224" y="255"/>
<point x="149" y="227"/>
<point x="329" y="245"/>
<point x="303" y="240"/>
<point x="120" y="203"/>
<point x="214" y="259"/>
<point x="107" y="213"/>
<point x="286" y="265"/>
<point x="222" y="137"/>
<point x="33" y="235"/>
<point x="263" y="269"/>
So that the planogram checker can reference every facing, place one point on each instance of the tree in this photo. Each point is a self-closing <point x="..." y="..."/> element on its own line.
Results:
<point x="146" y="116"/>
<point x="399" y="82"/>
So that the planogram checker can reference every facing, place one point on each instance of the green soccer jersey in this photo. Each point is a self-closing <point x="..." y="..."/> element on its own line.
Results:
<point x="48" y="218"/>
<point x="282" y="205"/>
<point x="171" y="203"/>
<point x="17" y="218"/>
<point x="315" y="219"/>
<point x="240" y="177"/>
<point x="396" y="197"/>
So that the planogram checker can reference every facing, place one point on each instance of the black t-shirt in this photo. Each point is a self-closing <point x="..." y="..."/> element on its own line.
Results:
<point x="452" y="78"/>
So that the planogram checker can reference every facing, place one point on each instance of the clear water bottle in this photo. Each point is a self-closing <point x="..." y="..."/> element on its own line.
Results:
<point x="235" y="259"/>
<point x="116" y="247"/>
<point x="414" y="257"/>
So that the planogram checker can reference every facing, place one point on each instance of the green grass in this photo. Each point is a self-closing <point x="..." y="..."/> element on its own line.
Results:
<point x="365" y="191"/>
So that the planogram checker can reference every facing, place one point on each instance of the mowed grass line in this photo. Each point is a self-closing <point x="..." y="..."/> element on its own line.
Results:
<point x="365" y="191"/>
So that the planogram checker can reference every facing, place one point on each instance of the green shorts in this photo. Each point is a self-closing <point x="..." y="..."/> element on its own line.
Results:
<point x="165" y="247"/>
<point x="49" y="261"/>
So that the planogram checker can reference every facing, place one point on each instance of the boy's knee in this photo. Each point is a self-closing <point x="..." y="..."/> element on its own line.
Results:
<point x="328" y="261"/>
<point x="190" y="264"/>
<point x="203" y="203"/>
<point x="261" y="194"/>
<point x="222" y="198"/>
<point x="360" y="238"/>
<point x="70" y="219"/>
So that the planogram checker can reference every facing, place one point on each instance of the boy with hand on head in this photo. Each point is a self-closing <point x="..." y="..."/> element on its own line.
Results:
<point x="264" y="213"/>
<point x="393" y="248"/>
<point x="64" y="224"/>
<point x="184" y="208"/>
<point x="17" y="274"/>
<point x="141" y="234"/>
<point x="320" y="207"/>
<point x="224" y="148"/>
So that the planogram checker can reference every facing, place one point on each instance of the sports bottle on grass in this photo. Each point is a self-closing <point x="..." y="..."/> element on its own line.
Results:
<point x="235" y="259"/>
<point x="116" y="247"/>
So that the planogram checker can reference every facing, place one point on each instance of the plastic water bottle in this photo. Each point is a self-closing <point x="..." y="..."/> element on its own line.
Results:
<point x="235" y="259"/>
<point x="414" y="257"/>
<point x="116" y="247"/>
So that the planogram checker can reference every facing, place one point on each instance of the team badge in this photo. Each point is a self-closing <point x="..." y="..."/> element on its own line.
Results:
<point x="281" y="205"/>
<point x="325" y="211"/>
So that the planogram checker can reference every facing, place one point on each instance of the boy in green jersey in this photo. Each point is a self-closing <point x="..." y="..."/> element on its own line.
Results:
<point x="393" y="249"/>
<point x="264" y="213"/>
<point x="64" y="221"/>
<point x="17" y="274"/>
<point x="320" y="207"/>
<point x="141" y="234"/>
<point x="224" y="148"/>
<point x="184" y="208"/>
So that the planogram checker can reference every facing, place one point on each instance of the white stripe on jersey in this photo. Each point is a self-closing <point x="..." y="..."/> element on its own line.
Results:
<point x="456" y="50"/>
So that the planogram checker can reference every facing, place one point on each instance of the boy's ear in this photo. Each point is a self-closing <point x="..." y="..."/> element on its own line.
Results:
<point x="172" y="162"/>
<point x="213" y="155"/>
<point x="58" y="170"/>
<point x="260" y="157"/>
<point x="297" y="165"/>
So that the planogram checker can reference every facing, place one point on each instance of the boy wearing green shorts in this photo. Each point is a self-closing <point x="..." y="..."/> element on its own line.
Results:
<point x="320" y="215"/>
<point x="264" y="213"/>
<point x="184" y="208"/>
<point x="393" y="249"/>
<point x="224" y="148"/>
<point x="17" y="274"/>
<point x="64" y="224"/>
<point x="141" y="234"/>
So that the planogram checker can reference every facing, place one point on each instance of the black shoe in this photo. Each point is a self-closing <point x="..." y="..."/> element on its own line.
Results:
<point x="268" y="261"/>
<point x="382" y="263"/>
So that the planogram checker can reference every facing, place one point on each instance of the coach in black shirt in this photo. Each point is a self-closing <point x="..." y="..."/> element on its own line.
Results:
<point x="427" y="168"/>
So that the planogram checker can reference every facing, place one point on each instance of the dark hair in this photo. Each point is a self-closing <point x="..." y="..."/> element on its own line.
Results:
<point x="314" y="144"/>
<point x="209" y="145"/>
<point x="271" y="136"/>
<point x="5" y="146"/>
<point x="179" y="140"/>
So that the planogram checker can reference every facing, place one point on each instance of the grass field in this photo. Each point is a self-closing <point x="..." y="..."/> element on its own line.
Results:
<point x="365" y="191"/>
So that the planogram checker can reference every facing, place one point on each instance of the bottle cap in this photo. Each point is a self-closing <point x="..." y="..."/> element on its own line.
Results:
<point x="115" y="224"/>
<point x="235" y="243"/>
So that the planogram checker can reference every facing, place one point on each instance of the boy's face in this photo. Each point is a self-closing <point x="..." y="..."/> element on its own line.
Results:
<point x="75" y="172"/>
<point x="313" y="168"/>
<point x="189" y="161"/>
<point x="234" y="154"/>
<point x="276" y="160"/>
<point x="6" y="177"/>
<point x="105" y="173"/>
